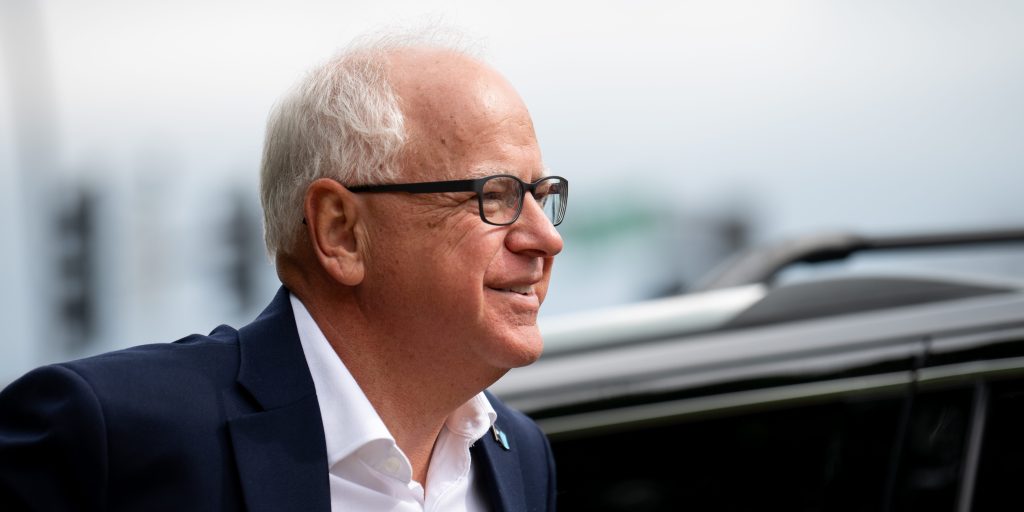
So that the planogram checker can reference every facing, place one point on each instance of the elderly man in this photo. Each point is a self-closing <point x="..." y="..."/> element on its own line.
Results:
<point x="413" y="227"/>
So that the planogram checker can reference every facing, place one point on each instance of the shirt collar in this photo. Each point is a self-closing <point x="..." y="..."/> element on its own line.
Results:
<point x="350" y="421"/>
<point x="472" y="419"/>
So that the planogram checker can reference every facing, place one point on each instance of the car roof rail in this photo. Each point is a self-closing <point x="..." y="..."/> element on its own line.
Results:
<point x="762" y="265"/>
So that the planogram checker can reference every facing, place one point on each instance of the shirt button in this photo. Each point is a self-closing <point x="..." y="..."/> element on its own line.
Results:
<point x="391" y="465"/>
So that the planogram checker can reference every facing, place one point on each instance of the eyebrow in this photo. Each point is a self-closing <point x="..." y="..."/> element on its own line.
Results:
<point x="484" y="172"/>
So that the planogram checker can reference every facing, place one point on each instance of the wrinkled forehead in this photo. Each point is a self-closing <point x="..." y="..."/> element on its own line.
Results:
<point x="527" y="175"/>
<point x="462" y="118"/>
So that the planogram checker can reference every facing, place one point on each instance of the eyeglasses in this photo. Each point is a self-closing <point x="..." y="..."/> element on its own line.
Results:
<point x="500" y="196"/>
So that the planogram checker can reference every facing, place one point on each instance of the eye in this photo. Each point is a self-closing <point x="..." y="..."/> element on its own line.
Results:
<point x="493" y="195"/>
<point x="491" y="201"/>
<point x="500" y="193"/>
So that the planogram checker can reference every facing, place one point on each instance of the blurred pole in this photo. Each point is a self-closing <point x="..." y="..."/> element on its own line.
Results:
<point x="36" y="152"/>
<point x="244" y="251"/>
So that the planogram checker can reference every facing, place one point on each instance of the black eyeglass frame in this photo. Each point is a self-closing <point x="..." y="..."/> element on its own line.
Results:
<point x="477" y="186"/>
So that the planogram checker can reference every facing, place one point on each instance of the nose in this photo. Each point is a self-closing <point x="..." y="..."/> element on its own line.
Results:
<point x="533" y="234"/>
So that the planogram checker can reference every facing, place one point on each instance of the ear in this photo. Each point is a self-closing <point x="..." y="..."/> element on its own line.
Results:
<point x="332" y="216"/>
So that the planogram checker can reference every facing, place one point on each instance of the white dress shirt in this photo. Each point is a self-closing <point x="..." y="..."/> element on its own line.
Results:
<point x="367" y="470"/>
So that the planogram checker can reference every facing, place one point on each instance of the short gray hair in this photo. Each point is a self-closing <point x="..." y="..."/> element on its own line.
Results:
<point x="343" y="121"/>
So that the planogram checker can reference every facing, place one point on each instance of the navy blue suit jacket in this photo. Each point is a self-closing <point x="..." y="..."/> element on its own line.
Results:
<point x="228" y="421"/>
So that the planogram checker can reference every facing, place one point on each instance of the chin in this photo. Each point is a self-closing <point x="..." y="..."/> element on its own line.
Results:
<point x="520" y="347"/>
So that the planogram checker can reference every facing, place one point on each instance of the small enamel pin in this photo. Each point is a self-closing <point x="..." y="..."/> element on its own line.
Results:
<point x="500" y="437"/>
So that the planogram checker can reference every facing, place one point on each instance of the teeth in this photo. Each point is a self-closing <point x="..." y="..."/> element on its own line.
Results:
<point x="521" y="289"/>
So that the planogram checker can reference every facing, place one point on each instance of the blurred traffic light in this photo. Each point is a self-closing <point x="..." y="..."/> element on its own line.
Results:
<point x="75" y="281"/>
<point x="244" y="250"/>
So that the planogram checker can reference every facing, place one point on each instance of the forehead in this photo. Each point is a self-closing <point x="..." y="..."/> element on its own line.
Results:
<point x="463" y="119"/>
<point x="527" y="175"/>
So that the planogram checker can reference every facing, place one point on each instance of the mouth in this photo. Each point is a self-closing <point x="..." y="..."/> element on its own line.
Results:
<point x="524" y="290"/>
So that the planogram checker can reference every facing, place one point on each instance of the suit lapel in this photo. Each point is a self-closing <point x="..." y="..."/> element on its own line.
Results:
<point x="278" y="443"/>
<point x="500" y="471"/>
<point x="280" y="464"/>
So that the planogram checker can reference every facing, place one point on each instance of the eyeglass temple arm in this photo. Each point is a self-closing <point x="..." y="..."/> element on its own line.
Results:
<point x="419" y="188"/>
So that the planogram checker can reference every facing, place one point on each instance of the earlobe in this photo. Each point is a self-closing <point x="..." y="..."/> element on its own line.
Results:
<point x="332" y="217"/>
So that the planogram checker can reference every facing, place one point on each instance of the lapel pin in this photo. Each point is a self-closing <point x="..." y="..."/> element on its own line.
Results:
<point x="500" y="437"/>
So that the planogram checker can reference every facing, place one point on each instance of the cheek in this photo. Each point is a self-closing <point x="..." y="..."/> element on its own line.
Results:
<point x="542" y="287"/>
<point x="473" y="250"/>
<point x="441" y="264"/>
<point x="455" y="267"/>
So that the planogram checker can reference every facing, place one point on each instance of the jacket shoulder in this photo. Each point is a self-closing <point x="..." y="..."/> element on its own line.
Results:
<point x="213" y="356"/>
<point x="76" y="435"/>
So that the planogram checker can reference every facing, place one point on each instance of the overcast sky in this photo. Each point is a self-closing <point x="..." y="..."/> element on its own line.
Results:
<point x="814" y="110"/>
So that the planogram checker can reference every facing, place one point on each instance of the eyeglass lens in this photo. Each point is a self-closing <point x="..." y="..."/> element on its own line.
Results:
<point x="501" y="200"/>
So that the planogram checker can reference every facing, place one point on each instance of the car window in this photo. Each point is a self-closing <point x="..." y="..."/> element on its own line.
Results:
<point x="1001" y="465"/>
<point x="821" y="456"/>
<point x="933" y="455"/>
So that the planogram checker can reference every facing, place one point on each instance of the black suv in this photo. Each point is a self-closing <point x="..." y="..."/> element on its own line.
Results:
<point x="850" y="392"/>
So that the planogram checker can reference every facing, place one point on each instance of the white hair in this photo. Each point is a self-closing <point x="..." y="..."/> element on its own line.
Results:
<point x="343" y="121"/>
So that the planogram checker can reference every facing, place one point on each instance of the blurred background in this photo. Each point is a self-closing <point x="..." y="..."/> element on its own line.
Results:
<point x="130" y="138"/>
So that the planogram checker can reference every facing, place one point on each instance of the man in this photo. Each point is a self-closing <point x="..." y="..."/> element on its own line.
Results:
<point x="413" y="229"/>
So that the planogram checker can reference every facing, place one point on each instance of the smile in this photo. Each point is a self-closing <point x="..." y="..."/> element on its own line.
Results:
<point x="521" y="290"/>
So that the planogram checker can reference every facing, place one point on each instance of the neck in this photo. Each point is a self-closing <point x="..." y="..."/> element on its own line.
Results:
<point x="413" y="389"/>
